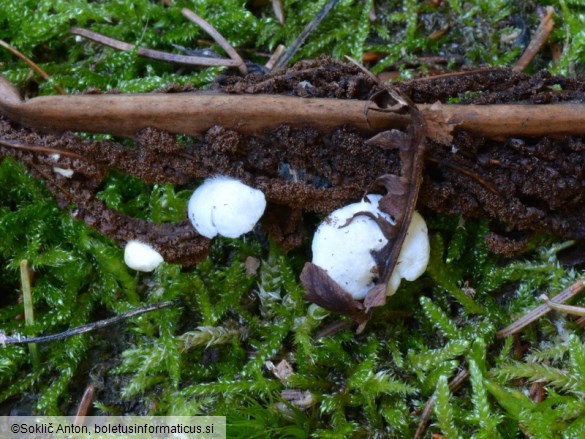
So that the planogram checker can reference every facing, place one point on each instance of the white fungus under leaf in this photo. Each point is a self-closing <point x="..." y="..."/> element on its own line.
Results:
<point x="344" y="250"/>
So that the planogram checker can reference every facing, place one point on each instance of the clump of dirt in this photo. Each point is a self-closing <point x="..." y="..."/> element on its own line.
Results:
<point x="320" y="78"/>
<point x="520" y="185"/>
<point x="494" y="86"/>
<point x="327" y="78"/>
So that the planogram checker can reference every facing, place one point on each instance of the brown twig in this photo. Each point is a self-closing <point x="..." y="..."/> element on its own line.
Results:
<point x="195" y="113"/>
<point x="39" y="71"/>
<point x="309" y="28"/>
<point x="274" y="57"/>
<point x="278" y="11"/>
<point x="541" y="310"/>
<point x="567" y="309"/>
<point x="33" y="148"/>
<point x="454" y="74"/>
<point x="185" y="113"/>
<point x="466" y="172"/>
<point x="454" y="385"/>
<point x="219" y="39"/>
<point x="540" y="36"/>
<point x="154" y="54"/>
<point x="334" y="328"/>
<point x="4" y="340"/>
<point x="84" y="405"/>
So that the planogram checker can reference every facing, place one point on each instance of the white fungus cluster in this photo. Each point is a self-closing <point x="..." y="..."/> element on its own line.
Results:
<point x="225" y="206"/>
<point x="220" y="206"/>
<point x="343" y="248"/>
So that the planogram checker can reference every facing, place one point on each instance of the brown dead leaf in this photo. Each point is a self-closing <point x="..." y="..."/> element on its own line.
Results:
<point x="390" y="139"/>
<point x="251" y="264"/>
<point x="439" y="129"/>
<point x="376" y="297"/>
<point x="325" y="292"/>
<point x="282" y="370"/>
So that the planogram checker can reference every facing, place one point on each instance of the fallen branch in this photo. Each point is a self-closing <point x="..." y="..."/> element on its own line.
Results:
<point x="187" y="113"/>
<point x="195" y="113"/>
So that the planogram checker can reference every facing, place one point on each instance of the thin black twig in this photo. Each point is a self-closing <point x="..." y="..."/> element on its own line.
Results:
<point x="84" y="328"/>
<point x="309" y="28"/>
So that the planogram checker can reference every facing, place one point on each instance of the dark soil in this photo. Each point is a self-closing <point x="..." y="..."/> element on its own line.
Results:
<point x="520" y="185"/>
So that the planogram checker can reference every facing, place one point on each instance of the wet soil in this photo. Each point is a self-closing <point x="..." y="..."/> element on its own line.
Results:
<point x="519" y="185"/>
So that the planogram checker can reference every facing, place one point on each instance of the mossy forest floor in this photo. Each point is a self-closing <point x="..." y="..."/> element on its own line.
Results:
<point x="242" y="308"/>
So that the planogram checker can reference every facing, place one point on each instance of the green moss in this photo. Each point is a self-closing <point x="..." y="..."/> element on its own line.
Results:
<point x="208" y="354"/>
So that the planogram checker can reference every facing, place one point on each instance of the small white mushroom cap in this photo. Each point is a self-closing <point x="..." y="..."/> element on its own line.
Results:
<point x="141" y="257"/>
<point x="345" y="252"/>
<point x="67" y="173"/>
<point x="225" y="206"/>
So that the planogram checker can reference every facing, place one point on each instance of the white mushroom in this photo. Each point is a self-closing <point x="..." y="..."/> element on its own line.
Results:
<point x="141" y="257"/>
<point x="225" y="206"/>
<point x="344" y="250"/>
<point x="67" y="173"/>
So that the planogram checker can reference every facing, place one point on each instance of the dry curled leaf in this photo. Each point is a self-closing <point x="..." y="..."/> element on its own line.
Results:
<point x="325" y="292"/>
<point x="282" y="370"/>
<point x="401" y="190"/>
<point x="439" y="128"/>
